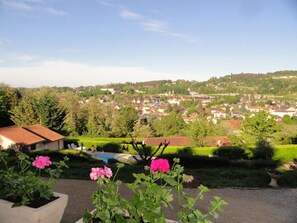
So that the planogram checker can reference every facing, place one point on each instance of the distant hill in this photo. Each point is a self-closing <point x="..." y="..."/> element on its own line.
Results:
<point x="277" y="83"/>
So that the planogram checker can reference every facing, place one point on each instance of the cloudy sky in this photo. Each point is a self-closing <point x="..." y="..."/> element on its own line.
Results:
<point x="90" y="42"/>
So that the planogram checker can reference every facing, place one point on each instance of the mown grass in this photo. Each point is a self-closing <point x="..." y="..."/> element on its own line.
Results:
<point x="282" y="153"/>
<point x="285" y="153"/>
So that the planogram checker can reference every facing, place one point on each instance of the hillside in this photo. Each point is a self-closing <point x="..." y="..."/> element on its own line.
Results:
<point x="277" y="83"/>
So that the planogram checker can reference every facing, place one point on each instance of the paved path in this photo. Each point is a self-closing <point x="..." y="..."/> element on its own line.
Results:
<point x="245" y="205"/>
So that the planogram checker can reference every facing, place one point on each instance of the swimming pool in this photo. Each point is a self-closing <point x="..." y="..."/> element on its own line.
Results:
<point x="105" y="157"/>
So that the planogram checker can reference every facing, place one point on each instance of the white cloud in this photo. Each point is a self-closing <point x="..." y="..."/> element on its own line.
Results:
<point x="126" y="14"/>
<point x="30" y="6"/>
<point x="106" y="3"/>
<point x="16" y="4"/>
<point x="154" y="25"/>
<point x="56" y="12"/>
<point x="63" y="73"/>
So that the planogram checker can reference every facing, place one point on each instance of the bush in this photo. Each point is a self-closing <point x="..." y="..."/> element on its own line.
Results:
<point x="263" y="150"/>
<point x="231" y="152"/>
<point x="73" y="155"/>
<point x="193" y="162"/>
<point x="112" y="147"/>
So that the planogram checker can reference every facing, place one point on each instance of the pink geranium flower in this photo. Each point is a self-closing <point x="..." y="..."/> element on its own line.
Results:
<point x="160" y="164"/>
<point x="41" y="162"/>
<point x="93" y="174"/>
<point x="97" y="172"/>
<point x="108" y="172"/>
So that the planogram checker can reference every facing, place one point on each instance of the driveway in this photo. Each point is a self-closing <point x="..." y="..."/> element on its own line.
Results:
<point x="244" y="205"/>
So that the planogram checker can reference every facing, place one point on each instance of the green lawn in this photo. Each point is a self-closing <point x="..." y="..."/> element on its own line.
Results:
<point x="211" y="174"/>
<point x="283" y="153"/>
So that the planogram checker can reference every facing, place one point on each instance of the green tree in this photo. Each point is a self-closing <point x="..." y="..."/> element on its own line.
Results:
<point x="49" y="112"/>
<point x="39" y="107"/>
<point x="129" y="116"/>
<point x="24" y="113"/>
<point x="9" y="98"/>
<point x="169" y="125"/>
<point x="97" y="124"/>
<point x="141" y="130"/>
<point x="199" y="129"/>
<point x="258" y="127"/>
<point x="4" y="116"/>
<point x="75" y="114"/>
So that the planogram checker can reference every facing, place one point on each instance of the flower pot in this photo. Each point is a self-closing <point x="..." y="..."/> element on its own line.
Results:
<point x="274" y="175"/>
<point x="51" y="212"/>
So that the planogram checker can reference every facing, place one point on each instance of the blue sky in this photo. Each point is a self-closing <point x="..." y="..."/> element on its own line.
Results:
<point x="90" y="42"/>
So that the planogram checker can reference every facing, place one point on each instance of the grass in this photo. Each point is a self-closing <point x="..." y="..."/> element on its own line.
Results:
<point x="212" y="176"/>
<point x="246" y="173"/>
<point x="285" y="153"/>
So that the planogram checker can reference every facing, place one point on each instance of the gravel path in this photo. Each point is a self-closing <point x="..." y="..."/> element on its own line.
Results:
<point x="245" y="205"/>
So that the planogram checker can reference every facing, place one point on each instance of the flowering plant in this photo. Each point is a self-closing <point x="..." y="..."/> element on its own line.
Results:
<point x="20" y="180"/>
<point x="151" y="193"/>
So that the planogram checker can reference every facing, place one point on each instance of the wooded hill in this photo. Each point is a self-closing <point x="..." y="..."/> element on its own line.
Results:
<point x="277" y="83"/>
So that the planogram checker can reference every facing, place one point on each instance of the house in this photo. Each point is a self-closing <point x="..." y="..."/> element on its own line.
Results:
<point x="34" y="136"/>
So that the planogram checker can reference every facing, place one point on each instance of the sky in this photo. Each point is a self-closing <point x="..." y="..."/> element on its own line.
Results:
<point x="93" y="42"/>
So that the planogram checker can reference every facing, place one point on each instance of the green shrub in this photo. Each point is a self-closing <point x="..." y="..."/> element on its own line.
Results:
<point x="192" y="162"/>
<point x="231" y="152"/>
<point x="263" y="150"/>
<point x="112" y="147"/>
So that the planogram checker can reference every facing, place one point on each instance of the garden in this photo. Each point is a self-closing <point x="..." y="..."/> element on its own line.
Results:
<point x="155" y="177"/>
<point x="229" y="166"/>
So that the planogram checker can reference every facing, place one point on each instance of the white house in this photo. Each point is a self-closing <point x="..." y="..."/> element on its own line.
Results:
<point x="34" y="136"/>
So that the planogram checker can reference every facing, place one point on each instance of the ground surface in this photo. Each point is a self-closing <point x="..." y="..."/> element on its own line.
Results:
<point x="245" y="205"/>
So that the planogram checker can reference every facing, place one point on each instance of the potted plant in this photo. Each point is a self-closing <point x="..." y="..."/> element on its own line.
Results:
<point x="24" y="195"/>
<point x="151" y="193"/>
<point x="274" y="175"/>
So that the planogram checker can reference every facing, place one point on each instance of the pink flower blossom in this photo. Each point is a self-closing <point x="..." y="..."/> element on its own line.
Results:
<point x="41" y="161"/>
<point x="93" y="174"/>
<point x="108" y="172"/>
<point x="100" y="172"/>
<point x="160" y="164"/>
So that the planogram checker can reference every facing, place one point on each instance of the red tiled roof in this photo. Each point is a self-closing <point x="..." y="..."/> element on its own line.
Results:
<point x="235" y="123"/>
<point x="19" y="135"/>
<point x="44" y="132"/>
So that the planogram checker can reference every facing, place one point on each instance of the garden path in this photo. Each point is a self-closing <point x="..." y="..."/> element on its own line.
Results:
<point x="245" y="205"/>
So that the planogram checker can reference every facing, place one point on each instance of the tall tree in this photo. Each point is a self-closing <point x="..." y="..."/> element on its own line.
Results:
<point x="39" y="107"/>
<point x="24" y="113"/>
<point x="199" y="129"/>
<point x="9" y="98"/>
<point x="169" y="125"/>
<point x="75" y="119"/>
<point x="142" y="130"/>
<point x="258" y="127"/>
<point x="49" y="112"/>
<point x="129" y="116"/>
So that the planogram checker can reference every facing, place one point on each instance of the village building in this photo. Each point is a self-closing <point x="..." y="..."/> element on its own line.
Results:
<point x="34" y="136"/>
